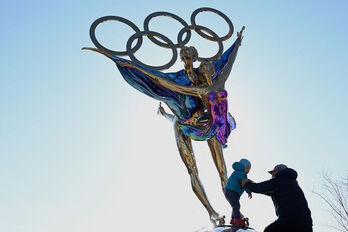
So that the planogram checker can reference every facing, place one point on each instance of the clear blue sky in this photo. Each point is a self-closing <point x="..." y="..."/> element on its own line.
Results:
<point x="81" y="150"/>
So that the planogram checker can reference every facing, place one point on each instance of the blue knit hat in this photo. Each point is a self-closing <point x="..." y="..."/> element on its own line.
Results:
<point x="246" y="163"/>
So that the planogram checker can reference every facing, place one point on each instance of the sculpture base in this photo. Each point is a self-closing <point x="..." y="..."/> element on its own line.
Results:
<point x="229" y="228"/>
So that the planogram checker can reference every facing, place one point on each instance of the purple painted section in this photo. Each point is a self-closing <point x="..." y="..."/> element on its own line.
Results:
<point x="222" y="122"/>
<point x="219" y="112"/>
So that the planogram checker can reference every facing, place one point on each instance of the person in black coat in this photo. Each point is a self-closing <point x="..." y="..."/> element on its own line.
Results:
<point x="288" y="198"/>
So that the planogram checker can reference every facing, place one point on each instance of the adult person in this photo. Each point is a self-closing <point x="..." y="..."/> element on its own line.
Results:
<point x="288" y="198"/>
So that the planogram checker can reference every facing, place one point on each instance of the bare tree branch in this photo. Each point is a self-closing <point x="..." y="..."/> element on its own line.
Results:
<point x="334" y="193"/>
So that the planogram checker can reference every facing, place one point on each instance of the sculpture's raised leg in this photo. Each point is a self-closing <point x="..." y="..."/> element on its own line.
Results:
<point x="219" y="161"/>
<point x="186" y="152"/>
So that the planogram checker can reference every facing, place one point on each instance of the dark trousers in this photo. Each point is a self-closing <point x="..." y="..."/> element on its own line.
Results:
<point x="233" y="198"/>
<point x="287" y="226"/>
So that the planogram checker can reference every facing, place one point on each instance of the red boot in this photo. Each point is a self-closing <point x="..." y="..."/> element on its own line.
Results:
<point x="237" y="222"/>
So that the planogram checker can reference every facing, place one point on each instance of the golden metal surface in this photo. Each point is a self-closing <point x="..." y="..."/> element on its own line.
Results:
<point x="186" y="153"/>
<point x="219" y="161"/>
<point x="201" y="87"/>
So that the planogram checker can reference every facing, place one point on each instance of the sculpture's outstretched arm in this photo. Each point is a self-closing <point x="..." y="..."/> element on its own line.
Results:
<point x="161" y="111"/>
<point x="225" y="71"/>
<point x="187" y="90"/>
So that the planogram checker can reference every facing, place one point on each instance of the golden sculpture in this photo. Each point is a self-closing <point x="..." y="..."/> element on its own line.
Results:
<point x="201" y="111"/>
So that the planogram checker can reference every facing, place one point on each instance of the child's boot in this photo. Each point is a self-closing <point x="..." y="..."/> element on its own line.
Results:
<point x="237" y="222"/>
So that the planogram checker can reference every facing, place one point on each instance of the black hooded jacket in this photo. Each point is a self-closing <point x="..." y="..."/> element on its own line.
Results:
<point x="287" y="196"/>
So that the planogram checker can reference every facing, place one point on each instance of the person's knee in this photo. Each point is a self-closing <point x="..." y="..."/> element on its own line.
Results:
<point x="272" y="228"/>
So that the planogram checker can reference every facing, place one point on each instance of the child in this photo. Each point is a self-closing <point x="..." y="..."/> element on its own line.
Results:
<point x="233" y="190"/>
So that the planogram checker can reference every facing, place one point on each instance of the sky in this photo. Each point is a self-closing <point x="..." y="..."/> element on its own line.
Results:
<point x="81" y="150"/>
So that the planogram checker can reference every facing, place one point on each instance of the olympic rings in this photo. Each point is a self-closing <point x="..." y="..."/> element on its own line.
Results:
<point x="116" y="18"/>
<point x="152" y="34"/>
<point x="212" y="33"/>
<point x="162" y="13"/>
<point x="228" y="21"/>
<point x="167" y="43"/>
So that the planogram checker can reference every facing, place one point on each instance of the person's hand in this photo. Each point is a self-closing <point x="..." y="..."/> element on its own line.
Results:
<point x="160" y="109"/>
<point x="250" y="195"/>
<point x="243" y="182"/>
<point x="240" y="34"/>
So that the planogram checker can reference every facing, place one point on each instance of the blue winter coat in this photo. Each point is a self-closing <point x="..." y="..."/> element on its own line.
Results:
<point x="233" y="182"/>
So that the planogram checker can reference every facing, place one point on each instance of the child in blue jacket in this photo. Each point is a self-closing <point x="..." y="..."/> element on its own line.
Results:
<point x="233" y="190"/>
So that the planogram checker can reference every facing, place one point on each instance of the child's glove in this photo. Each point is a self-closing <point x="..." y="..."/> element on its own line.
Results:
<point x="243" y="182"/>
<point x="250" y="195"/>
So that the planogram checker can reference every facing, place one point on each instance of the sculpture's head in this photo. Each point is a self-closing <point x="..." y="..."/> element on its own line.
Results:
<point x="188" y="54"/>
<point x="207" y="71"/>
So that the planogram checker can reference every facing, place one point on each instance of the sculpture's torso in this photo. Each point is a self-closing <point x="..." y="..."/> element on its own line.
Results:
<point x="210" y="119"/>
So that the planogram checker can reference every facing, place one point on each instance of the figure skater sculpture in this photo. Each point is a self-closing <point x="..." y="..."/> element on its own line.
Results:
<point x="196" y="96"/>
